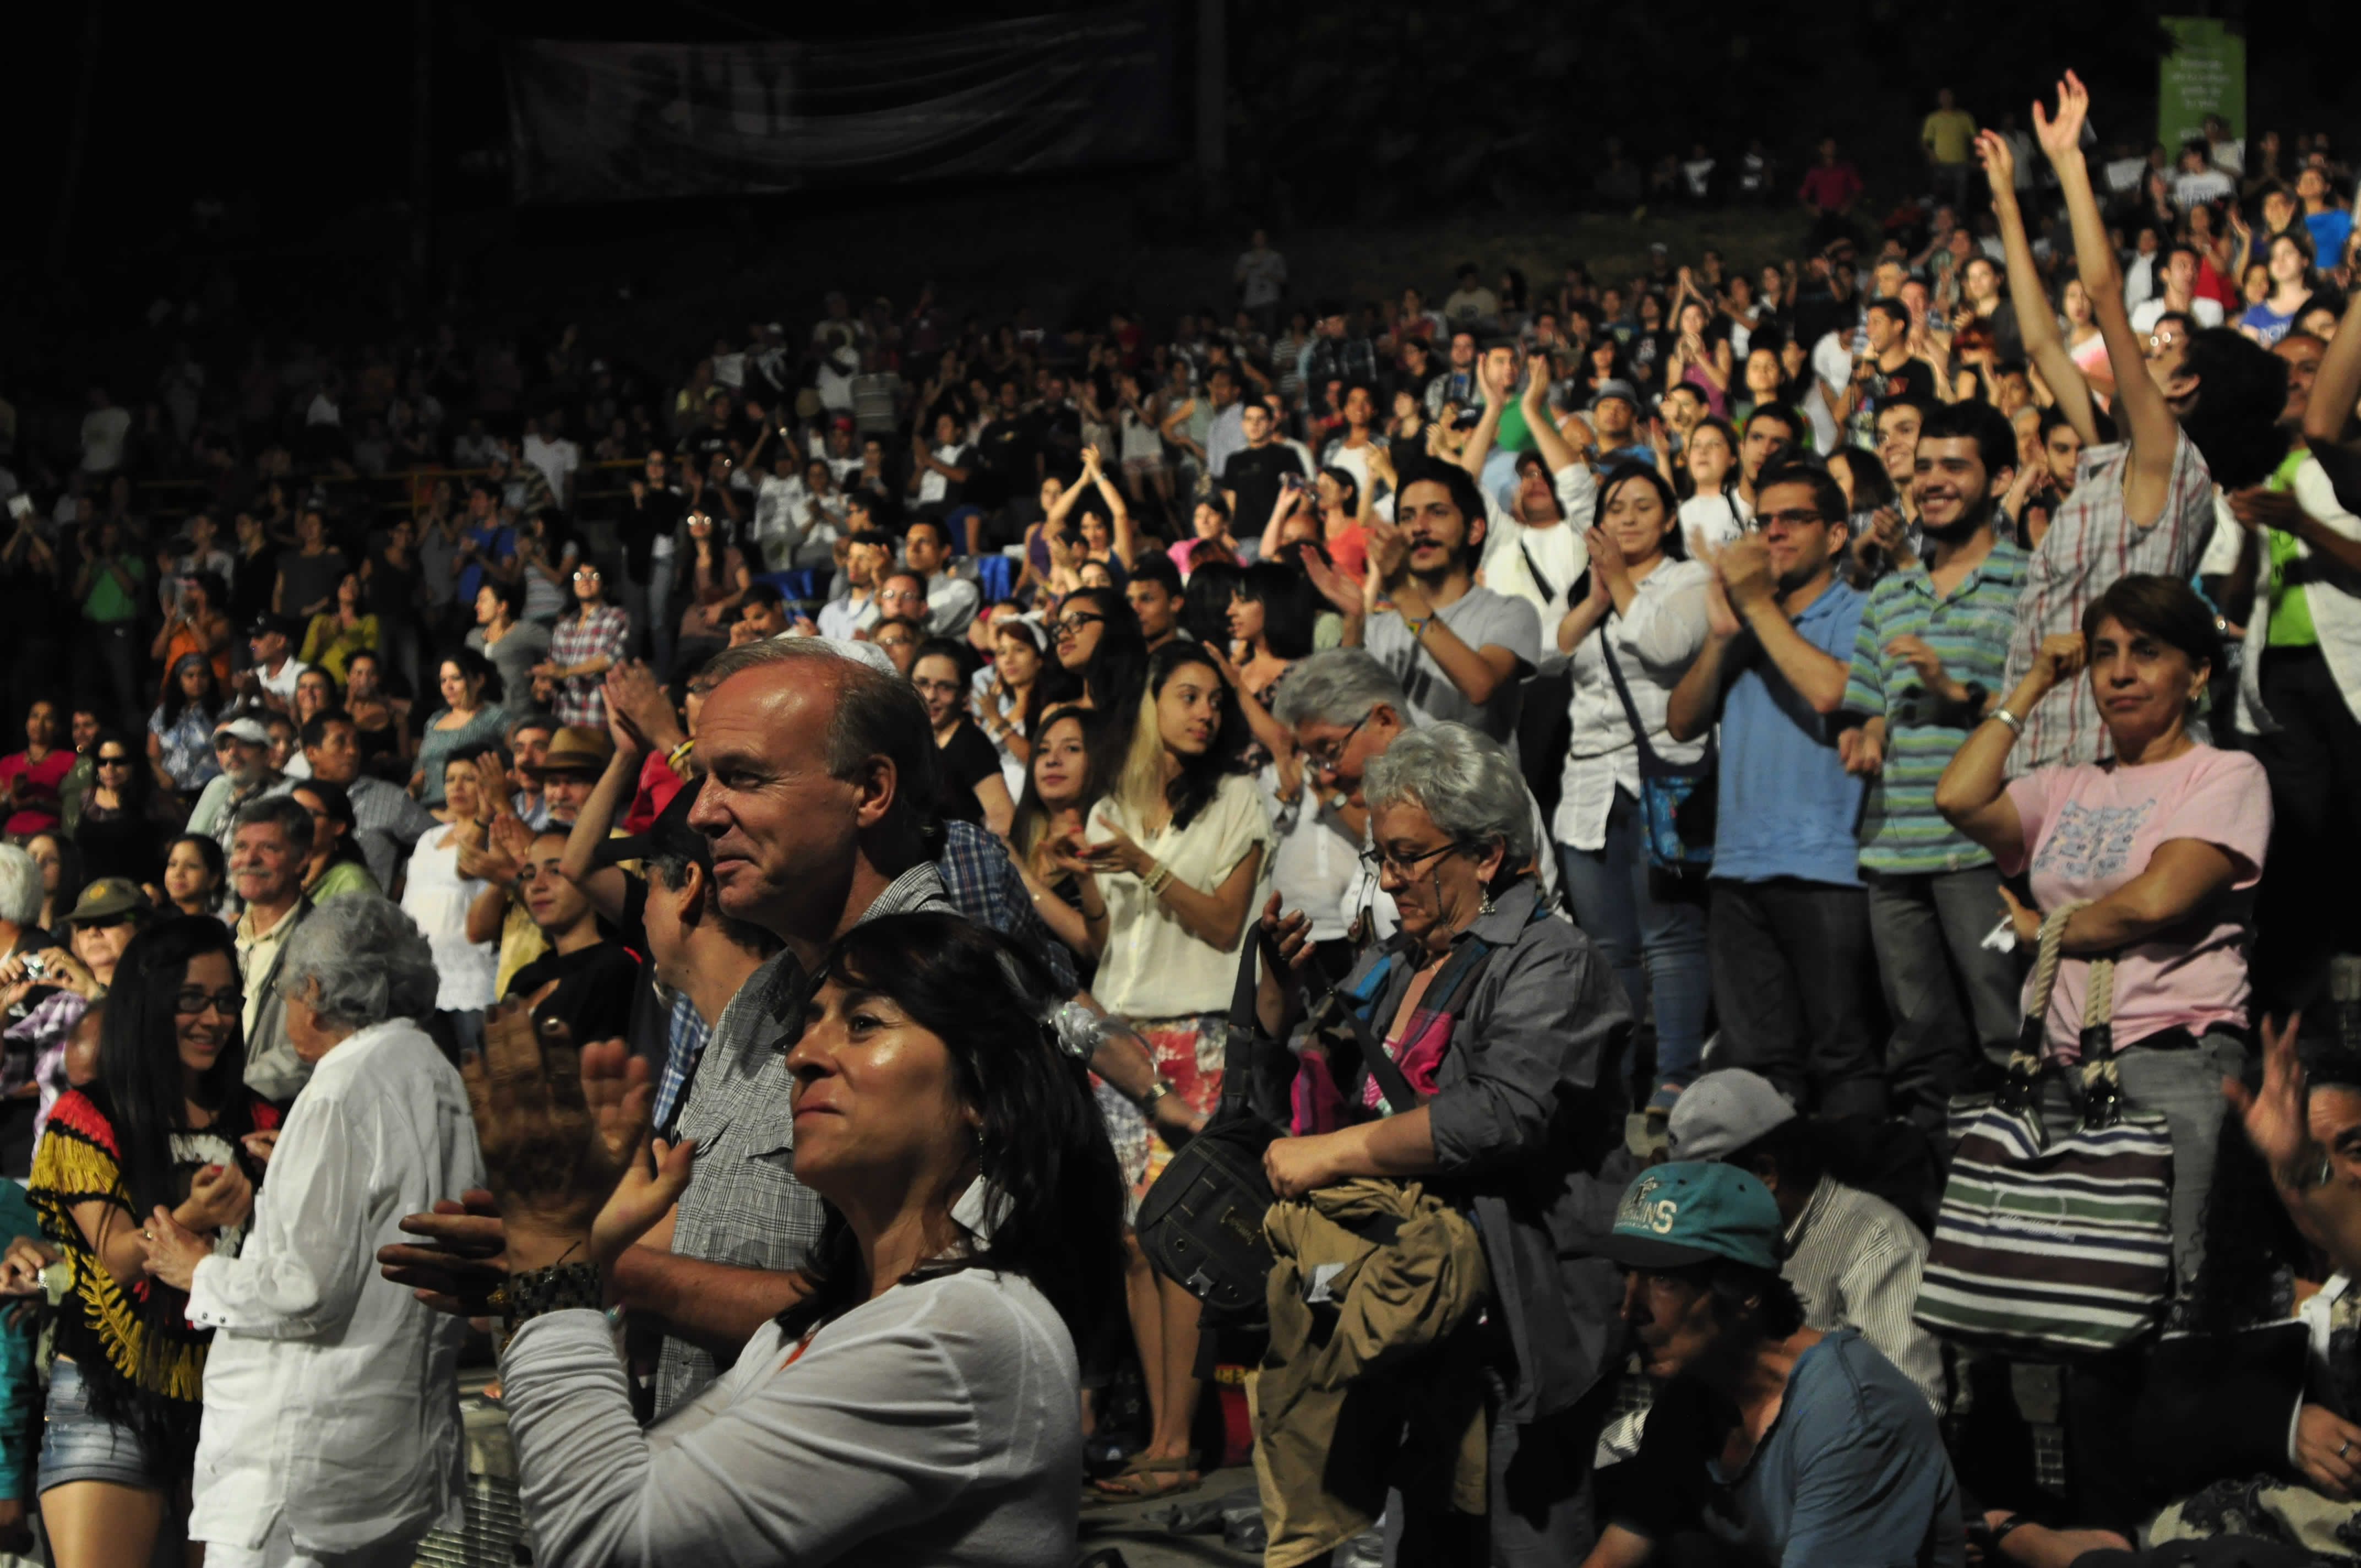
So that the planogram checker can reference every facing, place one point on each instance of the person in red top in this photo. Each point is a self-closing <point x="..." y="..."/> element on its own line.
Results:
<point x="31" y="777"/>
<point x="1832" y="185"/>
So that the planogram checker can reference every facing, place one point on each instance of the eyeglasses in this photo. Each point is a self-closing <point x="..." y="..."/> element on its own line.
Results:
<point x="1072" y="626"/>
<point x="192" y="1003"/>
<point x="1797" y="517"/>
<point x="114" y="761"/>
<point x="585" y="576"/>
<point x="1328" y="754"/>
<point x="1378" y="860"/>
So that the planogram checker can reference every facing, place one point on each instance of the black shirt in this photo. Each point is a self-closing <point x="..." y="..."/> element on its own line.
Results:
<point x="1006" y="450"/>
<point x="641" y="522"/>
<point x="595" y="987"/>
<point x="968" y="759"/>
<point x="1252" y="476"/>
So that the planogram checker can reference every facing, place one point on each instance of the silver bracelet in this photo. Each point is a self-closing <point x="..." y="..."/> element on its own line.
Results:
<point x="2016" y="724"/>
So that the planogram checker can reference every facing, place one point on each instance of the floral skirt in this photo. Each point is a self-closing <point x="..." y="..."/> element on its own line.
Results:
<point x="1188" y="1052"/>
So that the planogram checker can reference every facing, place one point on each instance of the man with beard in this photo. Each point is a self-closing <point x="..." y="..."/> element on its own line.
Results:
<point x="1926" y="666"/>
<point x="1789" y="922"/>
<point x="1458" y="650"/>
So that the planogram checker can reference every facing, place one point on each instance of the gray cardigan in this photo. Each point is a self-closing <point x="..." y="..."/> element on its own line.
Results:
<point x="1527" y="1124"/>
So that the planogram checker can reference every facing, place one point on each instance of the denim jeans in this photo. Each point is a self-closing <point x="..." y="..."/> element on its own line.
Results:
<point x="1793" y="988"/>
<point x="2184" y="1086"/>
<point x="1956" y="1003"/>
<point x="1644" y="921"/>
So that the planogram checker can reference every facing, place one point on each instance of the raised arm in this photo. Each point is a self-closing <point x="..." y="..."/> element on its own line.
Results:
<point x="2142" y="412"/>
<point x="2336" y="391"/>
<point x="1125" y="536"/>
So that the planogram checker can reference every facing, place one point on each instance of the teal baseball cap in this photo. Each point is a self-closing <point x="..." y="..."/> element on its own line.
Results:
<point x="1693" y="1212"/>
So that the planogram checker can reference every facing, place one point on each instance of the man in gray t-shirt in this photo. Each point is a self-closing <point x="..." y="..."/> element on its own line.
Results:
<point x="1460" y="651"/>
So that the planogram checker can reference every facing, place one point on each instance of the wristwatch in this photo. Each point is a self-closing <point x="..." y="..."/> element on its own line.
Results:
<point x="553" y="1290"/>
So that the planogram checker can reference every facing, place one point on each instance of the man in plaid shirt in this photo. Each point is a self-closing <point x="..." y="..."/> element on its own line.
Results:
<point x="2205" y="414"/>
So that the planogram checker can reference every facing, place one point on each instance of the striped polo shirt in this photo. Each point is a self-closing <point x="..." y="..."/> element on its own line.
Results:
<point x="1901" y="831"/>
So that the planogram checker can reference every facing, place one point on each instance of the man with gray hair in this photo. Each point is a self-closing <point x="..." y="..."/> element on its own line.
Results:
<point x="20" y="901"/>
<point x="1345" y="710"/>
<point x="268" y="851"/>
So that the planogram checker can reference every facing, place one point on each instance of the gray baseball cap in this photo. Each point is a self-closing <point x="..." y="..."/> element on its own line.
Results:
<point x="1722" y="1112"/>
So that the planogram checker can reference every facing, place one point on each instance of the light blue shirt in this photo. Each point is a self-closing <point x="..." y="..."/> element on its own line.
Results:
<point x="1787" y="807"/>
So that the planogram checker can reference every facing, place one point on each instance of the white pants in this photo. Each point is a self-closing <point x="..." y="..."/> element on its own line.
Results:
<point x="280" y="1551"/>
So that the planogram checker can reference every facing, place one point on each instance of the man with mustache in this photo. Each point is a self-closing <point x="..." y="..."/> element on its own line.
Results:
<point x="1769" y="1442"/>
<point x="1458" y="650"/>
<point x="1928" y="664"/>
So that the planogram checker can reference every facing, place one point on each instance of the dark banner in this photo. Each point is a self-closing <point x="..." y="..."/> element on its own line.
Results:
<point x="609" y="122"/>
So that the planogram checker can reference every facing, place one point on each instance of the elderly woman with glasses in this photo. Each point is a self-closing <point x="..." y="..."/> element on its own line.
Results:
<point x="1507" y="1022"/>
<point x="330" y="1427"/>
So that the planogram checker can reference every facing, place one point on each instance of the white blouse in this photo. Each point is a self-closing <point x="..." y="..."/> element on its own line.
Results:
<point x="1653" y="645"/>
<point x="437" y="897"/>
<point x="932" y="1425"/>
<point x="1154" y="967"/>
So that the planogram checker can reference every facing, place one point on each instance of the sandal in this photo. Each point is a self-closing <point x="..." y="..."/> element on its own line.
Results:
<point x="1141" y="1481"/>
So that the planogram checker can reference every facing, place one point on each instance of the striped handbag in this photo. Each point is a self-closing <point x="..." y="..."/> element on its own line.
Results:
<point x="2054" y="1248"/>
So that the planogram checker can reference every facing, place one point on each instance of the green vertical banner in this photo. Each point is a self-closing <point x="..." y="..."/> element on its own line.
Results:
<point x="2205" y="74"/>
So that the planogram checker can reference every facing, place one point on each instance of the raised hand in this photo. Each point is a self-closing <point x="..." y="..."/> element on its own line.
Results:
<point x="550" y="1159"/>
<point x="460" y="1263"/>
<point x="2061" y="133"/>
<point x="2000" y="165"/>
<point x="2059" y="658"/>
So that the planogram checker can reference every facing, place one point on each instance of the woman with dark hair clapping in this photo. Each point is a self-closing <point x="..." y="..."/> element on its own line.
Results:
<point x="917" y="1405"/>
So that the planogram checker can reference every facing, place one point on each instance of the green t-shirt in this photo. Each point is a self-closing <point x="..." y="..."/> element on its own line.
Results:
<point x="1513" y="435"/>
<point x="2290" y="610"/>
<point x="106" y="602"/>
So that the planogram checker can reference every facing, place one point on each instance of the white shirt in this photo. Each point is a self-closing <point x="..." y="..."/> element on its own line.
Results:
<point x="779" y="525"/>
<point x="1718" y="519"/>
<point x="2202" y="310"/>
<point x="1653" y="645"/>
<point x="1556" y="551"/>
<point x="2332" y="595"/>
<point x="2205" y="185"/>
<point x="103" y="434"/>
<point x="932" y="1425"/>
<point x="1154" y="967"/>
<point x="437" y="897"/>
<point x="557" y="460"/>
<point x="332" y="1397"/>
<point x="932" y="485"/>
<point x="282" y="684"/>
<point x="323" y="410"/>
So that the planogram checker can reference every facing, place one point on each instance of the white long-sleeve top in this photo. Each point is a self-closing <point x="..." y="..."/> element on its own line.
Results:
<point x="331" y="1394"/>
<point x="1653" y="645"/>
<point x="932" y="1425"/>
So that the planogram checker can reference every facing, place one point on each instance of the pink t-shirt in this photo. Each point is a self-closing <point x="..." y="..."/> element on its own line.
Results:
<point x="2093" y="828"/>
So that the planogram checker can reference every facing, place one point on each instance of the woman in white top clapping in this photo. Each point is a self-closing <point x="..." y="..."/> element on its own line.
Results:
<point x="1640" y="605"/>
<point x="1175" y="857"/>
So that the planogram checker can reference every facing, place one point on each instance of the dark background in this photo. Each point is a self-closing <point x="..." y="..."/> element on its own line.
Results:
<point x="299" y="119"/>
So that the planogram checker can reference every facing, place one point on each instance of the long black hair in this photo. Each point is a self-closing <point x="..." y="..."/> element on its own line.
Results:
<point x="139" y="1092"/>
<point x="1289" y="609"/>
<point x="176" y="702"/>
<point x="1206" y="602"/>
<point x="1041" y="1146"/>
<point x="1111" y="678"/>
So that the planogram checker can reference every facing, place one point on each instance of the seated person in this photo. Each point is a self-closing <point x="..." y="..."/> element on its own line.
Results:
<point x="584" y="980"/>
<point x="1853" y="1258"/>
<point x="1770" y="1442"/>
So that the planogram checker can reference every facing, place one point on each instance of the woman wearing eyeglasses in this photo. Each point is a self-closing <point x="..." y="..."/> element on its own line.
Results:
<point x="167" y="1122"/>
<point x="590" y="637"/>
<point x="1507" y="1021"/>
<point x="1174" y="860"/>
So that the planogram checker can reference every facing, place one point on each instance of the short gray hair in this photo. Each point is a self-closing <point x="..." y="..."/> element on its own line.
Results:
<point x="20" y="886"/>
<point x="1463" y="780"/>
<point x="361" y="961"/>
<point x="875" y="714"/>
<point x="1341" y="686"/>
<point x="284" y="811"/>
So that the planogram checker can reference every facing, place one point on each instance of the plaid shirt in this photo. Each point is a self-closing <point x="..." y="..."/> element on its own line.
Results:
<point x="2091" y="545"/>
<point x="982" y="882"/>
<point x="685" y="1034"/>
<point x="745" y="1207"/>
<point x="595" y="633"/>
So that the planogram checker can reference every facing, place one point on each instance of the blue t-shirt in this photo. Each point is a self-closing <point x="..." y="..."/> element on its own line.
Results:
<point x="492" y="544"/>
<point x="1786" y="807"/>
<point x="2329" y="231"/>
<point x="1853" y="1470"/>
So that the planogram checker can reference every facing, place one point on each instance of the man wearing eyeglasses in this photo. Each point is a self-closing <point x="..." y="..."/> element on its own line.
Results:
<point x="1345" y="710"/>
<point x="1788" y="927"/>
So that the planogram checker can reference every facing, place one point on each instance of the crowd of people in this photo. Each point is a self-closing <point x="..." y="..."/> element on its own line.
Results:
<point x="745" y="913"/>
